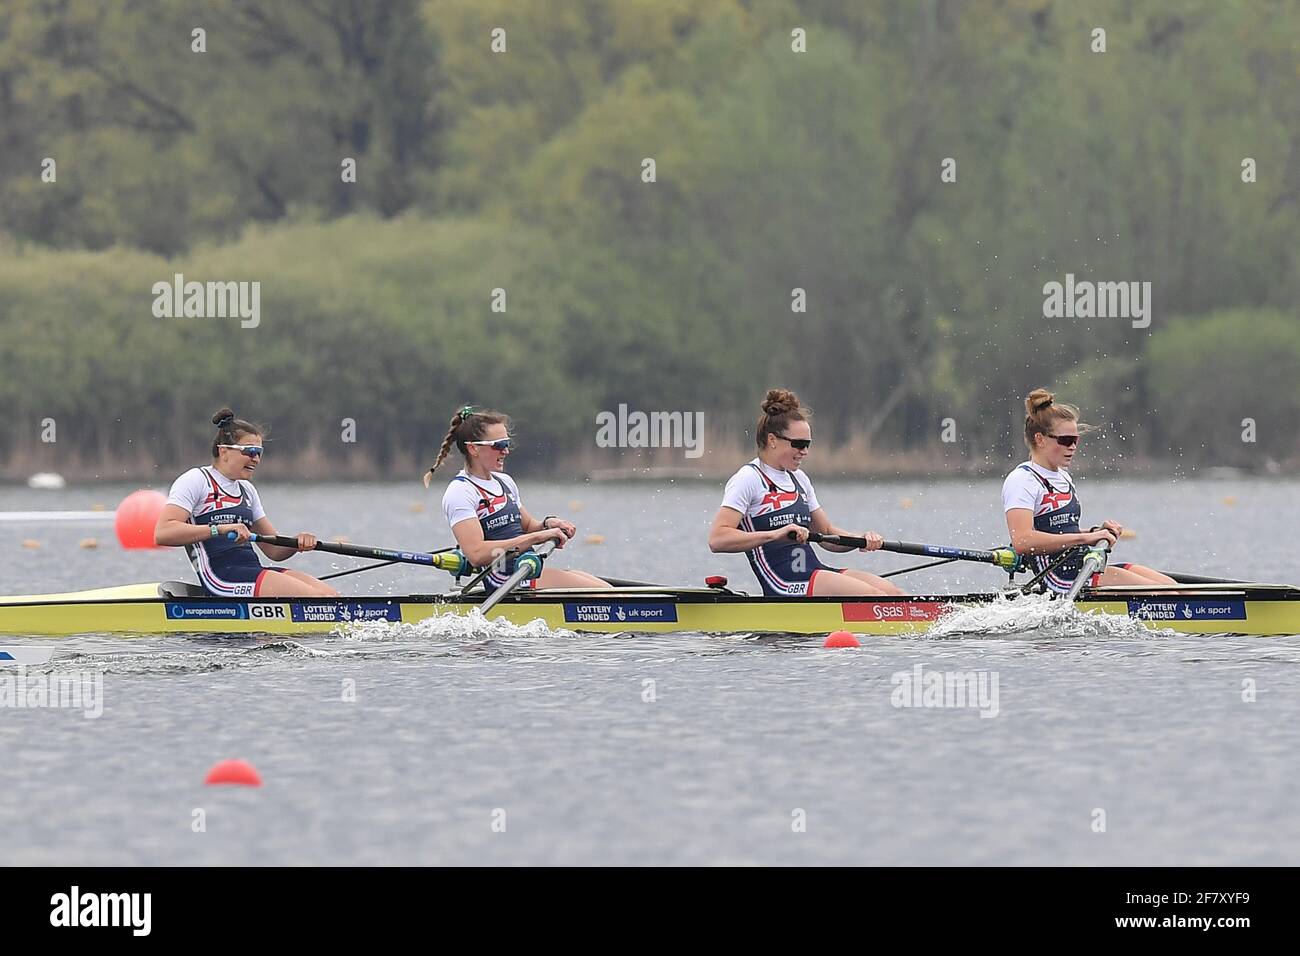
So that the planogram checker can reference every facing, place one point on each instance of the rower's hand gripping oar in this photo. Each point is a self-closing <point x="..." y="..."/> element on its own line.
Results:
<point x="1002" y="557"/>
<point x="1094" y="562"/>
<point x="528" y="565"/>
<point x="448" y="560"/>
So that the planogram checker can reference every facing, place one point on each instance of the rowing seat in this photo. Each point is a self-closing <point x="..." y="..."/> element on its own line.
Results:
<point x="180" y="589"/>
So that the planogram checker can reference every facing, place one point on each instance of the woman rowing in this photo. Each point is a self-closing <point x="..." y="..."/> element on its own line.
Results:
<point x="212" y="510"/>
<point x="769" y="507"/>
<point x="485" y="511"/>
<point x="1042" y="504"/>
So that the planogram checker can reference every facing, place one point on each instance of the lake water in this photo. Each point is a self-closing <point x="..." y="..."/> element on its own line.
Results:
<point x="487" y="744"/>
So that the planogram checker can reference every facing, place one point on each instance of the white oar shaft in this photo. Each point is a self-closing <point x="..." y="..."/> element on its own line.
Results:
<point x="1094" y="562"/>
<point x="40" y="516"/>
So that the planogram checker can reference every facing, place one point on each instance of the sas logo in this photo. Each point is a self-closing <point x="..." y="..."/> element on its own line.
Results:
<point x="892" y="611"/>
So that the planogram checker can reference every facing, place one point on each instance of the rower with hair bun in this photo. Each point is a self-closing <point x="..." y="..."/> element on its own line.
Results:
<point x="769" y="507"/>
<point x="1042" y="505"/>
<point x="213" y="511"/>
<point x="485" y="511"/>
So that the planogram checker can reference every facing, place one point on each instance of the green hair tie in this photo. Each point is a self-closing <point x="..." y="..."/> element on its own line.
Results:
<point x="466" y="412"/>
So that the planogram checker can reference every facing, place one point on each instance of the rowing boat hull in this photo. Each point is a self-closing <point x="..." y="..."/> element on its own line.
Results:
<point x="136" y="609"/>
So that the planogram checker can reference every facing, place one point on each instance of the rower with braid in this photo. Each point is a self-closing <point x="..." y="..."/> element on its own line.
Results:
<point x="485" y="511"/>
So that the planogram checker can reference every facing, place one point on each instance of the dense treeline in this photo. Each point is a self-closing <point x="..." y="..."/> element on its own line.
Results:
<point x="775" y="170"/>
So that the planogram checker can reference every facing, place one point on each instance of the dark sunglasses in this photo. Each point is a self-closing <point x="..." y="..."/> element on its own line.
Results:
<point x="1068" y="441"/>
<point x="252" y="451"/>
<point x="501" y="444"/>
<point x="800" y="443"/>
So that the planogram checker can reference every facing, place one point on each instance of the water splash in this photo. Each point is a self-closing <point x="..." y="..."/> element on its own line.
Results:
<point x="449" y="627"/>
<point x="1038" y="615"/>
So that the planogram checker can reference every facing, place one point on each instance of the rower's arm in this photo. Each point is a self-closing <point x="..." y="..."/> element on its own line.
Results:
<point x="725" y="536"/>
<point x="263" y="526"/>
<point x="819" y="523"/>
<point x="532" y="524"/>
<point x="1026" y="540"/>
<point x="174" y="529"/>
<point x="480" y="552"/>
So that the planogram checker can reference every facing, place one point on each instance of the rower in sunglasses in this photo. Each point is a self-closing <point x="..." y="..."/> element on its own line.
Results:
<point x="211" y="512"/>
<point x="769" y="507"/>
<point x="485" y="512"/>
<point x="1042" y="506"/>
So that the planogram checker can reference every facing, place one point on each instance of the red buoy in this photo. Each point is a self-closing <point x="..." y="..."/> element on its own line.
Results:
<point x="239" y="772"/>
<point x="136" y="517"/>
<point x="841" y="639"/>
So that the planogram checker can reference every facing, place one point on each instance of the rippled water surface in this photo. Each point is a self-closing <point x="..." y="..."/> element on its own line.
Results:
<point x="460" y="741"/>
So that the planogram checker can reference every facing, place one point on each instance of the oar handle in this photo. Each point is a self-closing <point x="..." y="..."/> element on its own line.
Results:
<point x="1002" y="557"/>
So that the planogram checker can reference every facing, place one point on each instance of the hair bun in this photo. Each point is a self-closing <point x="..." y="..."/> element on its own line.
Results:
<point x="223" y="418"/>
<point x="780" y="401"/>
<point x="1038" y="399"/>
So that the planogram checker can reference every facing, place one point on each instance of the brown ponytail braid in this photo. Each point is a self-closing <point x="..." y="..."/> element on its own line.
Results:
<point x="466" y="425"/>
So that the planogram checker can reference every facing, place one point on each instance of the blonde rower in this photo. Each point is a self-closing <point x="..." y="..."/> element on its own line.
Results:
<point x="1042" y="505"/>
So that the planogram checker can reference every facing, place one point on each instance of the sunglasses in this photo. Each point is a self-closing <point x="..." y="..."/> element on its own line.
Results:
<point x="252" y="451"/>
<point x="501" y="444"/>
<point x="1068" y="441"/>
<point x="799" y="443"/>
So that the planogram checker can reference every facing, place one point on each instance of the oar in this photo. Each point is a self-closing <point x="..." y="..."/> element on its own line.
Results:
<point x="1002" y="557"/>
<point x="448" y="559"/>
<point x="527" y="565"/>
<point x="1094" y="562"/>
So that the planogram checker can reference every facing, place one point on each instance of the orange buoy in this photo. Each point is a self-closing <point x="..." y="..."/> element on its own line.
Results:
<point x="136" y="517"/>
<point x="239" y="772"/>
<point x="841" y="639"/>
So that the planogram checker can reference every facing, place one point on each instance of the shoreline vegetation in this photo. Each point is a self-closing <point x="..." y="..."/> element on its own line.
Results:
<point x="600" y="466"/>
<point x="668" y="206"/>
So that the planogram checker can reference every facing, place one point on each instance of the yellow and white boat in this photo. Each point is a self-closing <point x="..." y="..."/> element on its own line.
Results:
<point x="1262" y="609"/>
